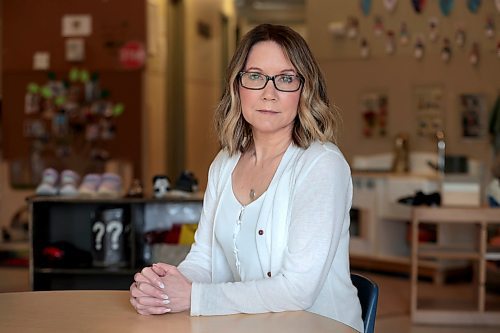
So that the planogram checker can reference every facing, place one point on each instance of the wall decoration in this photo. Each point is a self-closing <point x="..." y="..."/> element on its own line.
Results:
<point x="374" y="113"/>
<point x="364" y="48"/>
<point x="473" y="5"/>
<point x="433" y="29"/>
<point x="404" y="35"/>
<point x="70" y="117"/>
<point x="390" y="42"/>
<point x="390" y="5"/>
<point x="460" y="37"/>
<point x="352" y="27"/>
<point x="41" y="61"/>
<point x="76" y="25"/>
<point x="446" y="6"/>
<point x="378" y="26"/>
<point x="419" y="48"/>
<point x="446" y="50"/>
<point x="474" y="54"/>
<point x="75" y="49"/>
<point x="418" y="5"/>
<point x="366" y="6"/>
<point x="489" y="28"/>
<point x="132" y="55"/>
<point x="473" y="115"/>
<point x="428" y="103"/>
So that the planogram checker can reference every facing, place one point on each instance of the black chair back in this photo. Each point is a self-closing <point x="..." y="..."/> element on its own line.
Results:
<point x="368" y="297"/>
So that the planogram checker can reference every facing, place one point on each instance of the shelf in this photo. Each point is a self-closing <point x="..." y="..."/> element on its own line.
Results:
<point x="442" y="254"/>
<point x="492" y="256"/>
<point x="86" y="271"/>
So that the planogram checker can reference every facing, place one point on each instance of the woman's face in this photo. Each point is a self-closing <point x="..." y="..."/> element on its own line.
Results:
<point x="269" y="111"/>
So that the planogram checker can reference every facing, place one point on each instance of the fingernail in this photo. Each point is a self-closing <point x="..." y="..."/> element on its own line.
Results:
<point x="164" y="296"/>
<point x="165" y="310"/>
<point x="166" y="301"/>
<point x="162" y="286"/>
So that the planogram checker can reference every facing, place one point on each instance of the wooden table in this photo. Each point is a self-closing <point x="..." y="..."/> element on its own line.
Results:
<point x="110" y="311"/>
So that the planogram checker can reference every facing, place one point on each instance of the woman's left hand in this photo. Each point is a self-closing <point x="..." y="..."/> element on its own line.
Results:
<point x="177" y="286"/>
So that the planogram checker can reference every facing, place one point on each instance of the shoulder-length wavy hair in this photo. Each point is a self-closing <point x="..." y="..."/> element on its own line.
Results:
<point x="316" y="118"/>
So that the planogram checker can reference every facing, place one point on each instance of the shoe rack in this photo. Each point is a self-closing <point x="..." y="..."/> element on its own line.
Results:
<point x="71" y="249"/>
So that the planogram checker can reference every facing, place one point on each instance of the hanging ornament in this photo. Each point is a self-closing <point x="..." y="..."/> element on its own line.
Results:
<point x="419" y="49"/>
<point x="366" y="6"/>
<point x="418" y="5"/>
<point x="474" y="54"/>
<point x="460" y="37"/>
<point x="446" y="6"/>
<point x="390" y="5"/>
<point x="497" y="4"/>
<point x="489" y="29"/>
<point x="378" y="26"/>
<point x="390" y="43"/>
<point x="352" y="27"/>
<point x="365" y="48"/>
<point x="433" y="29"/>
<point x="446" y="51"/>
<point x="404" y="35"/>
<point x="473" y="5"/>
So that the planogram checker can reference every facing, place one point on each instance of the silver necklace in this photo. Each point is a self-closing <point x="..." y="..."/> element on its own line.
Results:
<point x="252" y="194"/>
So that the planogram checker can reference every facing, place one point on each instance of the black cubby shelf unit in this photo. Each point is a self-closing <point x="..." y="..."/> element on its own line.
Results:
<point x="75" y="243"/>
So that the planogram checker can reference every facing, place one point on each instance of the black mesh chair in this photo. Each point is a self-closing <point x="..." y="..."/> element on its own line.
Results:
<point x="368" y="297"/>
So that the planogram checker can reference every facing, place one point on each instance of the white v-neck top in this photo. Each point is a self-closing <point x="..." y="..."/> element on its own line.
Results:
<point x="235" y="230"/>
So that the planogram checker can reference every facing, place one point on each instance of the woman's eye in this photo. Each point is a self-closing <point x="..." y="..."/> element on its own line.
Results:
<point x="287" y="79"/>
<point x="254" y="76"/>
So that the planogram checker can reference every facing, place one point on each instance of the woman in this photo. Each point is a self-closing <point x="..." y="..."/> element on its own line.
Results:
<point x="274" y="231"/>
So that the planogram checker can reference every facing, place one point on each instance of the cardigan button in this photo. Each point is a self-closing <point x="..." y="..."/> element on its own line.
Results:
<point x="269" y="274"/>
<point x="261" y="232"/>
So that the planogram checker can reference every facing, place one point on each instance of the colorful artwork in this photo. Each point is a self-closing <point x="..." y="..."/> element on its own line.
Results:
<point x="428" y="101"/>
<point x="374" y="113"/>
<point x="472" y="115"/>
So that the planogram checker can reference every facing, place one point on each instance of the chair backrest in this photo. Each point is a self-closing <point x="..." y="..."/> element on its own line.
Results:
<point x="368" y="297"/>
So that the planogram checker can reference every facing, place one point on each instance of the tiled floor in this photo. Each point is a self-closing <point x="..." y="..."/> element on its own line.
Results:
<point x="393" y="307"/>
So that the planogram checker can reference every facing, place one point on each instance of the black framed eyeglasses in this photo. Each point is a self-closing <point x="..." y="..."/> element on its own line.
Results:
<point x="282" y="82"/>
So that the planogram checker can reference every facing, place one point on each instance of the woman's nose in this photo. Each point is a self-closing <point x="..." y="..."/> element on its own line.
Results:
<point x="270" y="92"/>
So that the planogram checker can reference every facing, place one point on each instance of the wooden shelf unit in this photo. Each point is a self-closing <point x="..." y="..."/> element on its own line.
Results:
<point x="481" y="217"/>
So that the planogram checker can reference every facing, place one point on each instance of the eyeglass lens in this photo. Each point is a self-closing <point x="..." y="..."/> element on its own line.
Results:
<point x="282" y="82"/>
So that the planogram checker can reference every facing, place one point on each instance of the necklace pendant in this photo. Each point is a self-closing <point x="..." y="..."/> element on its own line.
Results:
<point x="252" y="194"/>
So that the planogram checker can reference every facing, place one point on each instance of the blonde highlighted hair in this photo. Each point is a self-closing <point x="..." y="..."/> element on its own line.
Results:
<point x="316" y="119"/>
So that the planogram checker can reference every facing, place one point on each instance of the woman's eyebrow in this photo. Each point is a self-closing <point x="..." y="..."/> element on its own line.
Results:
<point x="257" y="69"/>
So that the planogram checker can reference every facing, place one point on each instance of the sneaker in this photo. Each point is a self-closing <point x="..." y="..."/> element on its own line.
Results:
<point x="69" y="181"/>
<point x="111" y="185"/>
<point x="48" y="184"/>
<point x="187" y="182"/>
<point x="90" y="184"/>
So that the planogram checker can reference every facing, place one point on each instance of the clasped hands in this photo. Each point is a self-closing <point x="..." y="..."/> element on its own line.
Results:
<point x="159" y="289"/>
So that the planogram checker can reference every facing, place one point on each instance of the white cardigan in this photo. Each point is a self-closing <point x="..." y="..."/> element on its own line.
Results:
<point x="303" y="249"/>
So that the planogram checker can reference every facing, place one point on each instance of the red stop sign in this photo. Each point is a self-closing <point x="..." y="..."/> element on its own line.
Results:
<point x="132" y="55"/>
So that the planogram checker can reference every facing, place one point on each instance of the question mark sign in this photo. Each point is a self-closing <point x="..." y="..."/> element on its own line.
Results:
<point x="100" y="229"/>
<point x="115" y="228"/>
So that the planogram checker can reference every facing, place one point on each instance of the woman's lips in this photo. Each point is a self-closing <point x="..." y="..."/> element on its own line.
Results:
<point x="268" y="111"/>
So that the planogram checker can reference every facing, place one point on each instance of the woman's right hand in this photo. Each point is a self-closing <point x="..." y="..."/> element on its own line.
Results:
<point x="147" y="294"/>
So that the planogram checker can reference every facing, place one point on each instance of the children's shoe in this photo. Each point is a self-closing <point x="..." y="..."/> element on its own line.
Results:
<point x="69" y="181"/>
<point x="161" y="185"/>
<point x="48" y="184"/>
<point x="187" y="182"/>
<point x="111" y="185"/>
<point x="90" y="184"/>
